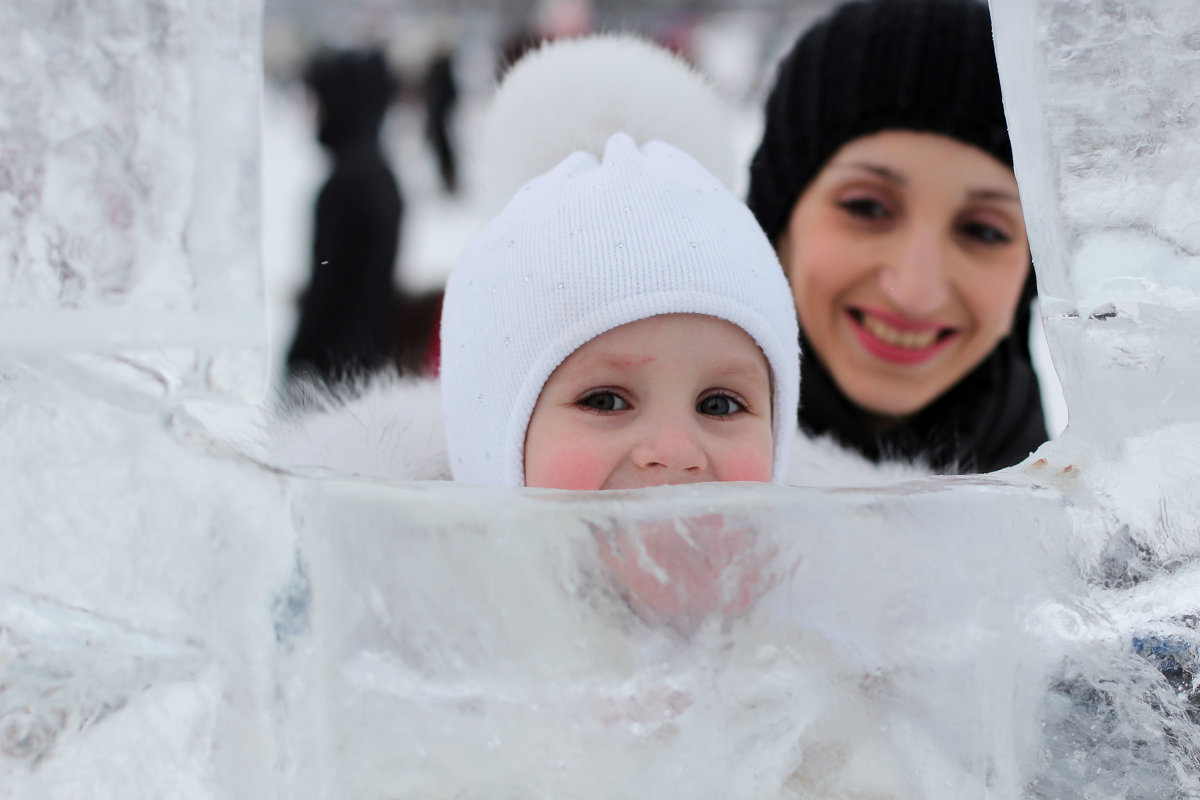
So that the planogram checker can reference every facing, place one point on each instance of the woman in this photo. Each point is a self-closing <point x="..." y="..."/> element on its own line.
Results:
<point x="884" y="179"/>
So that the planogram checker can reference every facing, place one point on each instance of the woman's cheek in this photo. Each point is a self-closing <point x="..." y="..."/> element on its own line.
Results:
<point x="816" y="279"/>
<point x="994" y="297"/>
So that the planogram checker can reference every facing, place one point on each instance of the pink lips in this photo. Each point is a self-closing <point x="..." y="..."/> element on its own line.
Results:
<point x="896" y="353"/>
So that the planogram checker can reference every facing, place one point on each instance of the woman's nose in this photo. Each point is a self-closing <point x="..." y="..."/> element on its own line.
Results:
<point x="670" y="445"/>
<point x="915" y="279"/>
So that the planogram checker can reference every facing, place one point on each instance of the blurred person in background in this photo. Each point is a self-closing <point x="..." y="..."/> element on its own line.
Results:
<point x="347" y="314"/>
<point x="441" y="97"/>
<point x="884" y="179"/>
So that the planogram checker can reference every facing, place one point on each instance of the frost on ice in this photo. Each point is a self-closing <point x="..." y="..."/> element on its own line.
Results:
<point x="129" y="187"/>
<point x="1101" y="103"/>
<point x="179" y="620"/>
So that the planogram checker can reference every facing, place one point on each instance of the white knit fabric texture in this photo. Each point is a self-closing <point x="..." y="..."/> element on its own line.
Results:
<point x="585" y="248"/>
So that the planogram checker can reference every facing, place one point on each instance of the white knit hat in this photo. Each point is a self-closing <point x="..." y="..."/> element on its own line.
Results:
<point x="587" y="247"/>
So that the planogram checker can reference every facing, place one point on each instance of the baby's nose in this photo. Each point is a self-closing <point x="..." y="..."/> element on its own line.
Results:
<point x="672" y="447"/>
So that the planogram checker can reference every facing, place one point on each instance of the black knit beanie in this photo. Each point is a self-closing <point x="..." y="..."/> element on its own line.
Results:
<point x="875" y="65"/>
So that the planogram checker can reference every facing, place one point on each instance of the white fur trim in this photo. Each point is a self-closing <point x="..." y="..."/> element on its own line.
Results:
<point x="822" y="462"/>
<point x="391" y="429"/>
<point x="388" y="428"/>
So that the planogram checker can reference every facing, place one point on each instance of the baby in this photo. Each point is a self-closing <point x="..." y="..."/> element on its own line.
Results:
<point x="623" y="322"/>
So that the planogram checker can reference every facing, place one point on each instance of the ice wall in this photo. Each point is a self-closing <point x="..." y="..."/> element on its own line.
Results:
<point x="136" y="634"/>
<point x="137" y="638"/>
<point x="699" y="642"/>
<point x="1101" y="100"/>
<point x="129" y="188"/>
<point x="180" y="619"/>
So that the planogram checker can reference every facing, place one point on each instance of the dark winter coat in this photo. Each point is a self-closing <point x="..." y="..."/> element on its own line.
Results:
<point x="441" y="96"/>
<point x="347" y="314"/>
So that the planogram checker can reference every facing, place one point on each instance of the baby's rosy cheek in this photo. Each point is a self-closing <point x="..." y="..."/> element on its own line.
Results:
<point x="570" y="467"/>
<point x="746" y="463"/>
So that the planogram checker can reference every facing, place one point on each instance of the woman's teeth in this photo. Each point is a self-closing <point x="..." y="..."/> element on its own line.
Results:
<point x="910" y="340"/>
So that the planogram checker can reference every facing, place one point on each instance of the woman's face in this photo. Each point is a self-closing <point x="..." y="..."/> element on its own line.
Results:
<point x="906" y="255"/>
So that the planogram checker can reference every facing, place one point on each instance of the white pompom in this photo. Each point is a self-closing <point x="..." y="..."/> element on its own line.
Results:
<point x="573" y="94"/>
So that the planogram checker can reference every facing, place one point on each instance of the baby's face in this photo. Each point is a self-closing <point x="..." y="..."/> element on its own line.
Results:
<point x="677" y="398"/>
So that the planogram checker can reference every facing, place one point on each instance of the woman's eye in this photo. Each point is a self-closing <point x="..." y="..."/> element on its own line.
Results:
<point x="985" y="234"/>
<point x="864" y="208"/>
<point x="719" y="405"/>
<point x="604" y="401"/>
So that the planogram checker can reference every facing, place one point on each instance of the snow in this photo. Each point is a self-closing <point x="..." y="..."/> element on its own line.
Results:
<point x="180" y="619"/>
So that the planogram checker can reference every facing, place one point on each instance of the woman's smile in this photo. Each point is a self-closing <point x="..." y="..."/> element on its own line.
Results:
<point x="896" y="339"/>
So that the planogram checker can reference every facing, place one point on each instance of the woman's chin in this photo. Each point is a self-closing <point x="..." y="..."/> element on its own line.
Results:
<point x="887" y="403"/>
<point x="890" y="390"/>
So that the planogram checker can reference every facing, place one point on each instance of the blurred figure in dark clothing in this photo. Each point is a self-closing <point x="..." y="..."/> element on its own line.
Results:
<point x="441" y="95"/>
<point x="347" y="324"/>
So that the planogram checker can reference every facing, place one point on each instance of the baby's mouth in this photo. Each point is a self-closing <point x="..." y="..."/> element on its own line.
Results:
<point x="913" y="336"/>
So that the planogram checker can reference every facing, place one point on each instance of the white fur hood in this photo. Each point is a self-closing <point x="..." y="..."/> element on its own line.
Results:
<point x="391" y="429"/>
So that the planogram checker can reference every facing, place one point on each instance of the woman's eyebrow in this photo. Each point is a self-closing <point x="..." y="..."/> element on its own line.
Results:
<point x="886" y="173"/>
<point x="995" y="195"/>
<point x="892" y="176"/>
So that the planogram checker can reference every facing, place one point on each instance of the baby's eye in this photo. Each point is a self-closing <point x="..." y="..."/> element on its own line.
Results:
<point x="604" y="401"/>
<point x="985" y="233"/>
<point x="719" y="405"/>
<point x="867" y="208"/>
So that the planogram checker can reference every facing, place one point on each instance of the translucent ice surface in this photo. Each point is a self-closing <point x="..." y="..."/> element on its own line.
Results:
<point x="129" y="186"/>
<point x="948" y="638"/>
<point x="1101" y="105"/>
<point x="703" y="642"/>
<point x="136" y="631"/>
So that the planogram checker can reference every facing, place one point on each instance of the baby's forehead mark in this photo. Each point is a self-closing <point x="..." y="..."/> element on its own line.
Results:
<point x="585" y="361"/>
<point x="630" y="362"/>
